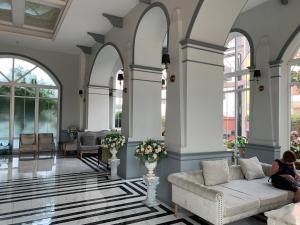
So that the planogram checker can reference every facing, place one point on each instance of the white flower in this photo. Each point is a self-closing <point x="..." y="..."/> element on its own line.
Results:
<point x="154" y="156"/>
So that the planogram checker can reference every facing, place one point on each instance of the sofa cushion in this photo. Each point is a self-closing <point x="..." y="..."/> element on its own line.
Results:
<point x="251" y="168"/>
<point x="88" y="140"/>
<point x="259" y="188"/>
<point x="215" y="172"/>
<point x="236" y="202"/>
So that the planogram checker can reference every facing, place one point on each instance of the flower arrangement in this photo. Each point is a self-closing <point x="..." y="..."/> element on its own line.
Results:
<point x="150" y="151"/>
<point x="113" y="140"/>
<point x="295" y="143"/>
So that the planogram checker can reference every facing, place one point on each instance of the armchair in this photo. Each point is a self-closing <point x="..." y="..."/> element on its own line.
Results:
<point x="46" y="142"/>
<point x="89" y="142"/>
<point x="28" y="143"/>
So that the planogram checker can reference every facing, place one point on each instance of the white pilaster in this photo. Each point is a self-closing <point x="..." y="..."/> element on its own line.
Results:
<point x="203" y="97"/>
<point x="98" y="108"/>
<point x="145" y="114"/>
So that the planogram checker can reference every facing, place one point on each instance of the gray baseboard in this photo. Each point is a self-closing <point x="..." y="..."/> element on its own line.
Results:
<point x="265" y="154"/>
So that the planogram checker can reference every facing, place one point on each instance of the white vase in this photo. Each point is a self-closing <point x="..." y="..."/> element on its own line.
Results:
<point x="113" y="152"/>
<point x="151" y="167"/>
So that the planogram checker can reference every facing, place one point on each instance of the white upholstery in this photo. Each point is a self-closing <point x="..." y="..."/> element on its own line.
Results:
<point x="210" y="175"/>
<point x="252" y="169"/>
<point x="228" y="202"/>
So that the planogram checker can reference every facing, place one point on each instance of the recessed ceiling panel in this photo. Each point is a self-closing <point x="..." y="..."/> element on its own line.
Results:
<point x="6" y="10"/>
<point x="41" y="16"/>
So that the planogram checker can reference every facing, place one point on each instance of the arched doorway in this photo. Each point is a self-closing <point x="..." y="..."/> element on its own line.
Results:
<point x="29" y="99"/>
<point x="103" y="95"/>
<point x="236" y="102"/>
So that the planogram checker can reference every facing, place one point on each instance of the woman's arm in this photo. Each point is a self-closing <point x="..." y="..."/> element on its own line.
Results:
<point x="275" y="168"/>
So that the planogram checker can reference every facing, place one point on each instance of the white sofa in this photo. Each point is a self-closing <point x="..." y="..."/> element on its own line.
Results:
<point x="228" y="202"/>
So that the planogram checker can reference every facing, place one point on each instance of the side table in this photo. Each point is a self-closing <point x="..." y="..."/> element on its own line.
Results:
<point x="287" y="215"/>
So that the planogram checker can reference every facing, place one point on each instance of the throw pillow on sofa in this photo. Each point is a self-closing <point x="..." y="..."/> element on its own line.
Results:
<point x="251" y="168"/>
<point x="215" y="172"/>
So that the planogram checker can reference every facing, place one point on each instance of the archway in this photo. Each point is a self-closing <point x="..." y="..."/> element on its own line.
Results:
<point x="29" y="99"/>
<point x="101" y="91"/>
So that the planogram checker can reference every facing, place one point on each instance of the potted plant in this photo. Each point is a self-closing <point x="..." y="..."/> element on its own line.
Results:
<point x="113" y="141"/>
<point x="241" y="145"/>
<point x="150" y="152"/>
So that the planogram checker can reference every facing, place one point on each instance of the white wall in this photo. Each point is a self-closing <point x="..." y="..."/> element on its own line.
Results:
<point x="66" y="69"/>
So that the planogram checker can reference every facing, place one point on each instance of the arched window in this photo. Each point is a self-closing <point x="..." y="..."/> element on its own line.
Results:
<point x="236" y="88"/>
<point x="294" y="83"/>
<point x="29" y="100"/>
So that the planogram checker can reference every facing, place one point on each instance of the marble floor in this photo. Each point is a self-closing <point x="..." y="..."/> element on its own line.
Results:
<point x="54" y="190"/>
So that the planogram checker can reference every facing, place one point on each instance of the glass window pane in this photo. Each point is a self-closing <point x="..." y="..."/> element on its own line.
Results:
<point x="5" y="10"/>
<point x="48" y="114"/>
<point x="243" y="81"/>
<point x="6" y="67"/>
<point x="229" y="116"/>
<point x="4" y="118"/>
<point x="25" y="91"/>
<point x="243" y="52"/>
<point x="295" y="108"/>
<point x="21" y="67"/>
<point x="243" y="99"/>
<point x="24" y="117"/>
<point x="39" y="77"/>
<point x="39" y="15"/>
<point x="229" y="84"/>
<point x="48" y="93"/>
<point x="4" y="90"/>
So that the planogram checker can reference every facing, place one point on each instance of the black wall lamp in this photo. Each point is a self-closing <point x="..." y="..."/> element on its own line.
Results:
<point x="257" y="77"/>
<point x="165" y="60"/>
<point x="120" y="78"/>
<point x="80" y="92"/>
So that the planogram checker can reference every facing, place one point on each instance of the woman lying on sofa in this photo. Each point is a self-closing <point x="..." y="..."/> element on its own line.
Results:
<point x="285" y="176"/>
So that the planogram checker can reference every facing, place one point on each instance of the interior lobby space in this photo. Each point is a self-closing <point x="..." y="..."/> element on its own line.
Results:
<point x="150" y="112"/>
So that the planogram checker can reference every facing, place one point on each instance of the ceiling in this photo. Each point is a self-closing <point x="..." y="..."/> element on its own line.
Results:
<point x="80" y="17"/>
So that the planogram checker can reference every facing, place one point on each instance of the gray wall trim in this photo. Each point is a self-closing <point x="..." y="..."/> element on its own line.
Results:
<point x="99" y="87"/>
<point x="188" y="41"/>
<point x="287" y="43"/>
<point x="96" y="56"/>
<point x="85" y="49"/>
<point x="275" y="63"/>
<point x="198" y="155"/>
<point x="194" y="17"/>
<point x="54" y="76"/>
<point x="146" y="1"/>
<point x="153" y="81"/>
<point x="264" y="153"/>
<point x="164" y="9"/>
<point x="146" y="68"/>
<point x="100" y="38"/>
<point x="201" y="62"/>
<point x="116" y="21"/>
<point x="247" y="35"/>
<point x="202" y="49"/>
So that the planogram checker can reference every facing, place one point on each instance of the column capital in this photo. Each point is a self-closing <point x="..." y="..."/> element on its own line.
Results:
<point x="275" y="63"/>
<point x="202" y="45"/>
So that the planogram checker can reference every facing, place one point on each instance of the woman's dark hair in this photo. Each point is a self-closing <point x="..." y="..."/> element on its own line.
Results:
<point x="289" y="156"/>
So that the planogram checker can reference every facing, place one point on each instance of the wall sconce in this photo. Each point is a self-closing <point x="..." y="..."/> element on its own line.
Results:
<point x="125" y="90"/>
<point x="163" y="82"/>
<point x="257" y="77"/>
<point x="120" y="78"/>
<point x="165" y="60"/>
<point x="80" y="92"/>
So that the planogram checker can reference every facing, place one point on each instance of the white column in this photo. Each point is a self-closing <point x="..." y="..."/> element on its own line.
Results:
<point x="81" y="86"/>
<point x="203" y="97"/>
<point x="145" y="113"/>
<point x="98" y="108"/>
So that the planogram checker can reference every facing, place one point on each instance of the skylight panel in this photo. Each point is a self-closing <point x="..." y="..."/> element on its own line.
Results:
<point x="41" y="16"/>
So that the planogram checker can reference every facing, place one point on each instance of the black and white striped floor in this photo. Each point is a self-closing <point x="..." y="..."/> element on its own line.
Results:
<point x="71" y="191"/>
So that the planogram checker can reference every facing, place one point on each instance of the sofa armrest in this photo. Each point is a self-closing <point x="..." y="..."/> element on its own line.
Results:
<point x="179" y="180"/>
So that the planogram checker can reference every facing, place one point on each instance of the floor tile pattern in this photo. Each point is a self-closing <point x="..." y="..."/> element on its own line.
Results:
<point x="71" y="191"/>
